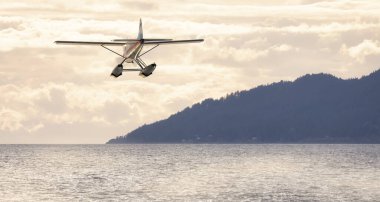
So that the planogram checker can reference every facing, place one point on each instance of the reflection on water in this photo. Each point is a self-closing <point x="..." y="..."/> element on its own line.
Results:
<point x="190" y="172"/>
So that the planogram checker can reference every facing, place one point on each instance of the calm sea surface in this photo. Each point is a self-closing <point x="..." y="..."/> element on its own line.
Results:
<point x="190" y="172"/>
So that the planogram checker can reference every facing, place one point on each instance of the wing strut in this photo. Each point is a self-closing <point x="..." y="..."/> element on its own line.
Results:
<point x="113" y="51"/>
<point x="149" y="50"/>
<point x="140" y="63"/>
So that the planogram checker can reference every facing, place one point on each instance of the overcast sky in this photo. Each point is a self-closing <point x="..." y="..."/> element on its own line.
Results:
<point x="64" y="94"/>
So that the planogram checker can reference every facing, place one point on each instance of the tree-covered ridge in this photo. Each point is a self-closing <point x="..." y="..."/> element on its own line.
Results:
<point x="318" y="108"/>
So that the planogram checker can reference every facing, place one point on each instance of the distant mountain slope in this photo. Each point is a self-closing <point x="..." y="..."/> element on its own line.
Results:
<point x="317" y="108"/>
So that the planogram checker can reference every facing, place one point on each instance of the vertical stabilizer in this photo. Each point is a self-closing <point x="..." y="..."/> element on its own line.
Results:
<point x="140" y="36"/>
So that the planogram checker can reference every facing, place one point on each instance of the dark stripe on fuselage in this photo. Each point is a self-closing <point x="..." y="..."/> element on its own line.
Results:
<point x="131" y="52"/>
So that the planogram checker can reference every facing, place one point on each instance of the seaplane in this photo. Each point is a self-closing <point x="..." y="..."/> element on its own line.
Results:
<point x="132" y="51"/>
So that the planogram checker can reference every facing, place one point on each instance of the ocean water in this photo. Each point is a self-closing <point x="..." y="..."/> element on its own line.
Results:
<point x="188" y="172"/>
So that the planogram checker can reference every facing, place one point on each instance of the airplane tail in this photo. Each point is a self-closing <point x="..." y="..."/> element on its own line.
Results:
<point x="140" y="36"/>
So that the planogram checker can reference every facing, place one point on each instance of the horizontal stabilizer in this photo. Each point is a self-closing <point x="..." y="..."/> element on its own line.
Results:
<point x="135" y="40"/>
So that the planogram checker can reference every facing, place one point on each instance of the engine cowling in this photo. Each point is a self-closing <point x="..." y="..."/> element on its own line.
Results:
<point x="118" y="71"/>
<point x="147" y="71"/>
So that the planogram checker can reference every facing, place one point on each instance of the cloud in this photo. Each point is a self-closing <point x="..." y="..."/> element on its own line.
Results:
<point x="10" y="120"/>
<point x="362" y="50"/>
<point x="54" y="101"/>
<point x="36" y="128"/>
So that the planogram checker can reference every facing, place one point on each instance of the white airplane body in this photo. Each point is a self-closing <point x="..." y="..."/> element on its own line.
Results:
<point x="132" y="50"/>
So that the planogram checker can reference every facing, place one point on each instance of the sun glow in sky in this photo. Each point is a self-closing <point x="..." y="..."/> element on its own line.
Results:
<point x="64" y="94"/>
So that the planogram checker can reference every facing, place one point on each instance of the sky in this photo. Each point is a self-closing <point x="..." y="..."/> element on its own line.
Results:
<point x="51" y="94"/>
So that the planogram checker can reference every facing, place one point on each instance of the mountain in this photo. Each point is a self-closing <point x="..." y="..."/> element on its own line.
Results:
<point x="318" y="108"/>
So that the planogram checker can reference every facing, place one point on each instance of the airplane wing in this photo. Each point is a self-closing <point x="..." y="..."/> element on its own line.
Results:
<point x="123" y="42"/>
<point x="172" y="42"/>
<point x="106" y="43"/>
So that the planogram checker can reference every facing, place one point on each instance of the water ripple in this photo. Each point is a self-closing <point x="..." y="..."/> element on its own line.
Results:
<point x="190" y="172"/>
